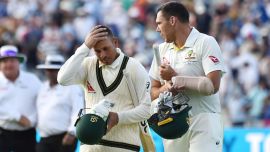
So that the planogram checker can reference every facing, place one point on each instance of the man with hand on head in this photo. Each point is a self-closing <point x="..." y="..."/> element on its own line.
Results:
<point x="191" y="63"/>
<point x="57" y="109"/>
<point x="102" y="76"/>
<point x="18" y="92"/>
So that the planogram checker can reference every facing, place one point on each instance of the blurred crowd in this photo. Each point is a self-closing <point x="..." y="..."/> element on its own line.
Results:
<point x="242" y="28"/>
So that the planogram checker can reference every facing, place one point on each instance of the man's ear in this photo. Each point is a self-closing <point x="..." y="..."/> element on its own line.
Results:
<point x="115" y="42"/>
<point x="172" y="20"/>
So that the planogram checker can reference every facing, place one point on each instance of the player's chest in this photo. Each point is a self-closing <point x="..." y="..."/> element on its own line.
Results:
<point x="105" y="82"/>
<point x="181" y="59"/>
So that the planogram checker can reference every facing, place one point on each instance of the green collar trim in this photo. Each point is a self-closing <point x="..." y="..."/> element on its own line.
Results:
<point x="106" y="90"/>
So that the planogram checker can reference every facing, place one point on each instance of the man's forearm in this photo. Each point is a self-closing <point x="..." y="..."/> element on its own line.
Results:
<point x="139" y="113"/>
<point x="71" y="72"/>
<point x="203" y="85"/>
<point x="155" y="91"/>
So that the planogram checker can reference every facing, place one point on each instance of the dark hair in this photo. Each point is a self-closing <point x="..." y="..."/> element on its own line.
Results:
<point x="108" y="30"/>
<point x="174" y="9"/>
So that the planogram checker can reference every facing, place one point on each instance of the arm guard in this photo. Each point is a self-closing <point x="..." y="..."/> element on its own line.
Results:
<point x="201" y="84"/>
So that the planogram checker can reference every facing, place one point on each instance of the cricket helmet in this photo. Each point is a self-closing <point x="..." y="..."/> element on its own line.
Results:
<point x="90" y="128"/>
<point x="170" y="125"/>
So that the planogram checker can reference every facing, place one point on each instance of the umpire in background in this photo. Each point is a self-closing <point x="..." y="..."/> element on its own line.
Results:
<point x="57" y="109"/>
<point x="18" y="92"/>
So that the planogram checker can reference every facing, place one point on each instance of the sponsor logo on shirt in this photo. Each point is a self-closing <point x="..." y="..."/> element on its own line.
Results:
<point x="90" y="89"/>
<point x="214" y="59"/>
<point x="190" y="56"/>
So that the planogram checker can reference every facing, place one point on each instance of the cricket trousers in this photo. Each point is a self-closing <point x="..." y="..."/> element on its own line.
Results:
<point x="17" y="141"/>
<point x="205" y="134"/>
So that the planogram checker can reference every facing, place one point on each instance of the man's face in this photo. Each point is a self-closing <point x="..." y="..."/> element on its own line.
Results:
<point x="51" y="74"/>
<point x="10" y="67"/>
<point x="105" y="50"/>
<point x="165" y="28"/>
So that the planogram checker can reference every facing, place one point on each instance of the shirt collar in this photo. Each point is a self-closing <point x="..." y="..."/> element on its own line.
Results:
<point x="48" y="87"/>
<point x="20" y="78"/>
<point x="192" y="37"/>
<point x="5" y="80"/>
<point x="116" y="62"/>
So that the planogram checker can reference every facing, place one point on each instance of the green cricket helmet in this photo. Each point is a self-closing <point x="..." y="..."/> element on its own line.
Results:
<point x="90" y="128"/>
<point x="170" y="125"/>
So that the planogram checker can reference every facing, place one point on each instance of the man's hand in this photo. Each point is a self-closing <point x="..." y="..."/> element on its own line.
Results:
<point x="166" y="72"/>
<point x="68" y="139"/>
<point x="157" y="88"/>
<point x="24" y="121"/>
<point x="166" y="87"/>
<point x="95" y="35"/>
<point x="113" y="120"/>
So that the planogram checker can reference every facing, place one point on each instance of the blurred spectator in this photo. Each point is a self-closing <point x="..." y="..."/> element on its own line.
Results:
<point x="228" y="47"/>
<point x="69" y="39"/>
<point x="28" y="34"/>
<point x="266" y="112"/>
<point x="57" y="109"/>
<point x="83" y="22"/>
<point x="264" y="68"/>
<point x="50" y="42"/>
<point x="257" y="97"/>
<point x="3" y="9"/>
<point x="203" y="17"/>
<point x="18" y="92"/>
<point x="236" y="101"/>
<point x="247" y="64"/>
<point x="19" y="9"/>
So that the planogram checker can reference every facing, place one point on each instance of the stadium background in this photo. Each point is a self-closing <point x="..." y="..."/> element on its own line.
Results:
<point x="242" y="27"/>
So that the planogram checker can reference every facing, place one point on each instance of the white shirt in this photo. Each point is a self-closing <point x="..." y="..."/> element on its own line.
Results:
<point x="81" y="69"/>
<point x="57" y="108"/>
<point x="18" y="98"/>
<point x="199" y="56"/>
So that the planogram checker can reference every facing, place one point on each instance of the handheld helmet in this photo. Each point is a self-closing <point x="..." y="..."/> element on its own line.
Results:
<point x="171" y="119"/>
<point x="175" y="125"/>
<point x="90" y="128"/>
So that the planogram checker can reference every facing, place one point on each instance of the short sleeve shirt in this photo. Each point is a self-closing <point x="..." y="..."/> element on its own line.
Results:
<point x="199" y="56"/>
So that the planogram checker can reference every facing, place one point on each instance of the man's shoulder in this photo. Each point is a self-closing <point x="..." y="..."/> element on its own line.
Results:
<point x="26" y="75"/>
<point x="133" y="62"/>
<point x="165" y="45"/>
<point x="91" y="58"/>
<point x="135" y="67"/>
<point x="2" y="77"/>
<point x="74" y="87"/>
<point x="90" y="61"/>
<point x="206" y="38"/>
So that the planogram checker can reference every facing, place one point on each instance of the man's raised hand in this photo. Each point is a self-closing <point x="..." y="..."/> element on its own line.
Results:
<point x="98" y="33"/>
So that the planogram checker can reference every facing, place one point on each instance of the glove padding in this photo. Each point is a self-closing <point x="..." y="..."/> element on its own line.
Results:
<point x="102" y="109"/>
<point x="171" y="125"/>
<point x="168" y="104"/>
